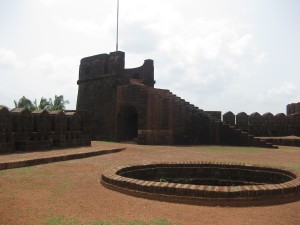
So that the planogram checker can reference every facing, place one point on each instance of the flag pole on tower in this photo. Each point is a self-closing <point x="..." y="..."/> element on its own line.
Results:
<point x="117" y="44"/>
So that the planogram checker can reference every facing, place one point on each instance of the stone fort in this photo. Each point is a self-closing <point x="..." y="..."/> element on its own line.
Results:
<point x="123" y="105"/>
<point x="118" y="104"/>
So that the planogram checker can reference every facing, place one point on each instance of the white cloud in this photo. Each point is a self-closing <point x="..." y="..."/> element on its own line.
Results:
<point x="260" y="58"/>
<point x="50" y="2"/>
<point x="231" y="64"/>
<point x="218" y="40"/>
<point x="196" y="56"/>
<point x="286" y="90"/>
<point x="8" y="58"/>
<point x="82" y="26"/>
<point x="274" y="99"/>
<point x="243" y="45"/>
<point x="59" y="74"/>
<point x="57" y="69"/>
<point x="44" y="63"/>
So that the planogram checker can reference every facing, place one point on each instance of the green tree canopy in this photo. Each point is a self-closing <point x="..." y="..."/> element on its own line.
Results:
<point x="24" y="103"/>
<point x="44" y="103"/>
<point x="57" y="104"/>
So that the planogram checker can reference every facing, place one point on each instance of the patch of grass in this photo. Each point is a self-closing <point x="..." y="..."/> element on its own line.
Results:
<point x="25" y="172"/>
<point x="60" y="220"/>
<point x="104" y="142"/>
<point x="61" y="187"/>
<point x="226" y="149"/>
<point x="8" y="192"/>
<point x="13" y="193"/>
<point x="5" y="223"/>
<point x="100" y="223"/>
<point x="287" y="165"/>
<point x="293" y="150"/>
<point x="159" y="221"/>
<point x="290" y="166"/>
<point x="15" y="174"/>
<point x="163" y="179"/>
<point x="2" y="190"/>
<point x="25" y="169"/>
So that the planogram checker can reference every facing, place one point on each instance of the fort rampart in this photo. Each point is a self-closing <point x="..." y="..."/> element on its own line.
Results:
<point x="267" y="125"/>
<point x="22" y="130"/>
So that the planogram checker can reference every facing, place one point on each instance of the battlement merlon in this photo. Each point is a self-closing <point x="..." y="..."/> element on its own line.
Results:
<point x="113" y="64"/>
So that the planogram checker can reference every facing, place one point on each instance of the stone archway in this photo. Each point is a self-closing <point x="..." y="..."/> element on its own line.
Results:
<point x="127" y="123"/>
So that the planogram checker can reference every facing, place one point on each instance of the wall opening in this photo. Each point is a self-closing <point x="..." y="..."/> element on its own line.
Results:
<point x="127" y="124"/>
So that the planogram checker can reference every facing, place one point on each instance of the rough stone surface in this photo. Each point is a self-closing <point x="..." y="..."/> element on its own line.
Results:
<point x="266" y="125"/>
<point x="124" y="106"/>
<point x="22" y="130"/>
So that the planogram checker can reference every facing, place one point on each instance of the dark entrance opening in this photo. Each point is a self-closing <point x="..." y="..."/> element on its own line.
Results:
<point x="127" y="124"/>
<point x="20" y="146"/>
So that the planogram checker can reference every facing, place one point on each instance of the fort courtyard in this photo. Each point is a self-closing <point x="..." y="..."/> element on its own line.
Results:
<point x="70" y="192"/>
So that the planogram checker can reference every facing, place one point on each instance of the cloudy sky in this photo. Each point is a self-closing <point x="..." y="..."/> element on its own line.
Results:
<point x="238" y="55"/>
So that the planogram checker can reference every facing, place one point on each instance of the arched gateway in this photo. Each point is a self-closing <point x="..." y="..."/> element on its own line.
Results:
<point x="127" y="124"/>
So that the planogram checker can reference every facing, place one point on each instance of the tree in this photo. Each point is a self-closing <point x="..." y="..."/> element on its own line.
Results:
<point x="44" y="103"/>
<point x="24" y="103"/>
<point x="58" y="104"/>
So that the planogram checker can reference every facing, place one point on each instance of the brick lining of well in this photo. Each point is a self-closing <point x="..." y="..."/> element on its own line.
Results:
<point x="267" y="194"/>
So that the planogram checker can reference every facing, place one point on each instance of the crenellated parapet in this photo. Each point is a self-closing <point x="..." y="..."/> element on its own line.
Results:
<point x="105" y="66"/>
<point x="242" y="121"/>
<point x="22" y="130"/>
<point x="6" y="139"/>
<point x="229" y="118"/>
<point x="293" y="108"/>
<point x="143" y="74"/>
<point x="266" y="125"/>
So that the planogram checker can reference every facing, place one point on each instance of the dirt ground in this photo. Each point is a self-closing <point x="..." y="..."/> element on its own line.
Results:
<point x="70" y="192"/>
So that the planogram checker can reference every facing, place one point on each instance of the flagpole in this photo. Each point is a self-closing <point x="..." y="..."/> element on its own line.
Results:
<point x="117" y="41"/>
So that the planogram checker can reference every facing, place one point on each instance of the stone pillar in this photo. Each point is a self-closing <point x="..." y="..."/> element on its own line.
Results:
<point x="242" y="121"/>
<point x="6" y="142"/>
<point x="116" y="63"/>
<point x="229" y="118"/>
<point x="148" y="73"/>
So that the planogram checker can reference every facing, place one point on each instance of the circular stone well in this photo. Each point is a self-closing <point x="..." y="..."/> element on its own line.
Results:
<point x="206" y="183"/>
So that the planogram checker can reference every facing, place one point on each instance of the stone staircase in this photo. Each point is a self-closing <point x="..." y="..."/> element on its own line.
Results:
<point x="192" y="125"/>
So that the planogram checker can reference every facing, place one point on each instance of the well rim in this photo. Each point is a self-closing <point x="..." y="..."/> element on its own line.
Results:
<point x="267" y="194"/>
